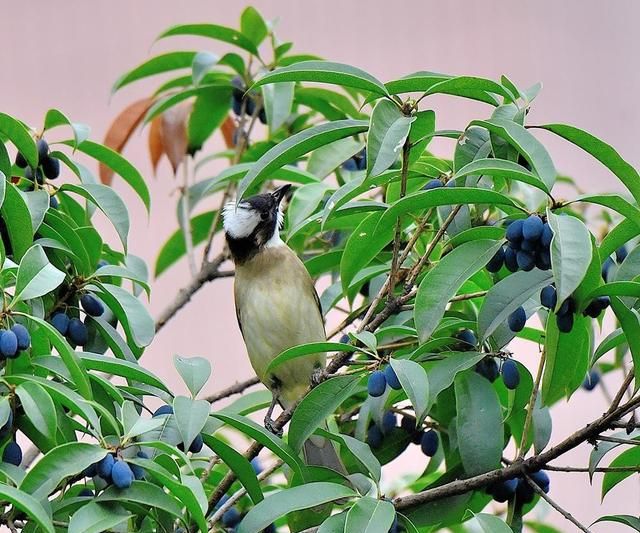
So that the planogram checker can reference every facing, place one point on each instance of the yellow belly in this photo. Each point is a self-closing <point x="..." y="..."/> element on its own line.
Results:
<point x="277" y="309"/>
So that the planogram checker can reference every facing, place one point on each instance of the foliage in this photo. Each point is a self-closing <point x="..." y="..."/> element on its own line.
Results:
<point x="436" y="264"/>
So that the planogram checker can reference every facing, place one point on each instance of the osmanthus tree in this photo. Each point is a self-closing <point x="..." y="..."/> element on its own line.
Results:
<point x="432" y="266"/>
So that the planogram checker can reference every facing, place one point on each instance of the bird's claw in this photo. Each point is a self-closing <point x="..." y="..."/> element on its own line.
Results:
<point x="317" y="376"/>
<point x="270" y="426"/>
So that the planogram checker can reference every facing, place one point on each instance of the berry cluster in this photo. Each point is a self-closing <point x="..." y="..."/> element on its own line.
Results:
<point x="241" y="99"/>
<point x="379" y="380"/>
<point x="356" y="162"/>
<point x="519" y="488"/>
<point x="115" y="470"/>
<point x="14" y="341"/>
<point x="428" y="440"/>
<point x="488" y="368"/>
<point x="529" y="242"/>
<point x="73" y="328"/>
<point x="48" y="166"/>
<point x="198" y="442"/>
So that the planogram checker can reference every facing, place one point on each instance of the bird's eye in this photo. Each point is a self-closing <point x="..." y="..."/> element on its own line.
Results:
<point x="264" y="216"/>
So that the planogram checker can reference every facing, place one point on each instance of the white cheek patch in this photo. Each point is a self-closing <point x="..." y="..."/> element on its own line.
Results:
<point x="275" y="239"/>
<point x="239" y="222"/>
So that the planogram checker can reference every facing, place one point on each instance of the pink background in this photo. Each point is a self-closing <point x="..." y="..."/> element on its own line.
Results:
<point x="68" y="54"/>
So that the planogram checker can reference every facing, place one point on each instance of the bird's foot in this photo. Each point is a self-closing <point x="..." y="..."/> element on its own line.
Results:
<point x="317" y="376"/>
<point x="270" y="425"/>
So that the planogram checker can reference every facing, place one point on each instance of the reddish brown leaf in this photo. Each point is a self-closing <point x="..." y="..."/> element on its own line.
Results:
<point x="174" y="133"/>
<point x="121" y="129"/>
<point x="228" y="127"/>
<point x="156" y="147"/>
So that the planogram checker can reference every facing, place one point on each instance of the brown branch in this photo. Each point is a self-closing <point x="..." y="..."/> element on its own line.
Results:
<point x="625" y="385"/>
<point x="600" y="469"/>
<point x="553" y="504"/>
<point x="207" y="273"/>
<point x="618" y="440"/>
<point x="518" y="468"/>
<point x="236" y="388"/>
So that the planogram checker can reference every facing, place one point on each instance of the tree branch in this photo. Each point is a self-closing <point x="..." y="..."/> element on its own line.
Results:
<point x="518" y="468"/>
<point x="531" y="405"/>
<point x="553" y="504"/>
<point x="236" y="388"/>
<point x="207" y="273"/>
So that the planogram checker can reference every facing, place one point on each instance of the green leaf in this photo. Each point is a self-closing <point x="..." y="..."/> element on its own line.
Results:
<point x="238" y="464"/>
<point x="278" y="99"/>
<point x="291" y="499"/>
<point x="388" y="130"/>
<point x="500" y="168"/>
<point x="630" y="457"/>
<point x="526" y="144"/>
<point x="598" y="452"/>
<point x="571" y="252"/>
<point x="445" y="279"/>
<point x="415" y="383"/>
<point x="316" y="406"/>
<point x="119" y="165"/>
<point x="326" y="72"/>
<point x="253" y="26"/>
<point x="66" y="460"/>
<point x="69" y="357"/>
<point x="17" y="133"/>
<point x="209" y="111"/>
<point x="156" y="65"/>
<point x="542" y="425"/>
<point x="334" y="524"/>
<point x="194" y="371"/>
<point x="161" y="105"/>
<point x="630" y="323"/>
<point x="109" y="202"/>
<point x="55" y="118"/>
<point x="506" y="296"/>
<point x="360" y="452"/>
<point x="145" y="494"/>
<point x="264" y="437"/>
<point x="129" y="310"/>
<point x="96" y="517"/>
<point x="191" y="416"/>
<point x="369" y="515"/>
<point x="363" y="245"/>
<point x="625" y="519"/>
<point x="202" y="63"/>
<point x="567" y="359"/>
<point x="213" y="31"/>
<point x="478" y="413"/>
<point x="36" y="276"/>
<point x="125" y="369"/>
<point x="17" y="217"/>
<point x="615" y="202"/>
<point x="488" y="523"/>
<point x="302" y="350"/>
<point x="327" y="158"/>
<point x="296" y="146"/>
<point x="39" y="408"/>
<point x="443" y="373"/>
<point x="423" y="200"/>
<point x="28" y="505"/>
<point x="603" y="152"/>
<point x="424" y="125"/>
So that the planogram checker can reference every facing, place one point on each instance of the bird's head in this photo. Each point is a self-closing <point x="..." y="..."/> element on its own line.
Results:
<point x="253" y="223"/>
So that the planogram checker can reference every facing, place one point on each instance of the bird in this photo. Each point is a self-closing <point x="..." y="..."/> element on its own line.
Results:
<point x="277" y="307"/>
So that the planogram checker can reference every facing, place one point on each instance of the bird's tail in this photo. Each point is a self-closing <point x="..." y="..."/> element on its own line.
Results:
<point x="319" y="451"/>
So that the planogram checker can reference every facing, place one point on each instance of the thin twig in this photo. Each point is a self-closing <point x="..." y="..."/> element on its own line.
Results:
<point x="241" y="492"/>
<point x="415" y="270"/>
<point x="553" y="504"/>
<point x="236" y="388"/>
<point x="625" y="385"/>
<point x="618" y="440"/>
<point x="601" y="469"/>
<point x="208" y="273"/>
<point x="186" y="218"/>
<point x="531" y="405"/>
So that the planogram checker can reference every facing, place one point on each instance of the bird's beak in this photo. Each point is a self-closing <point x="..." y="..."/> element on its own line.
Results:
<point x="280" y="192"/>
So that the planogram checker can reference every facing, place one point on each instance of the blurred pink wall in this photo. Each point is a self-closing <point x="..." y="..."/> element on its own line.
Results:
<point x="68" y="54"/>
